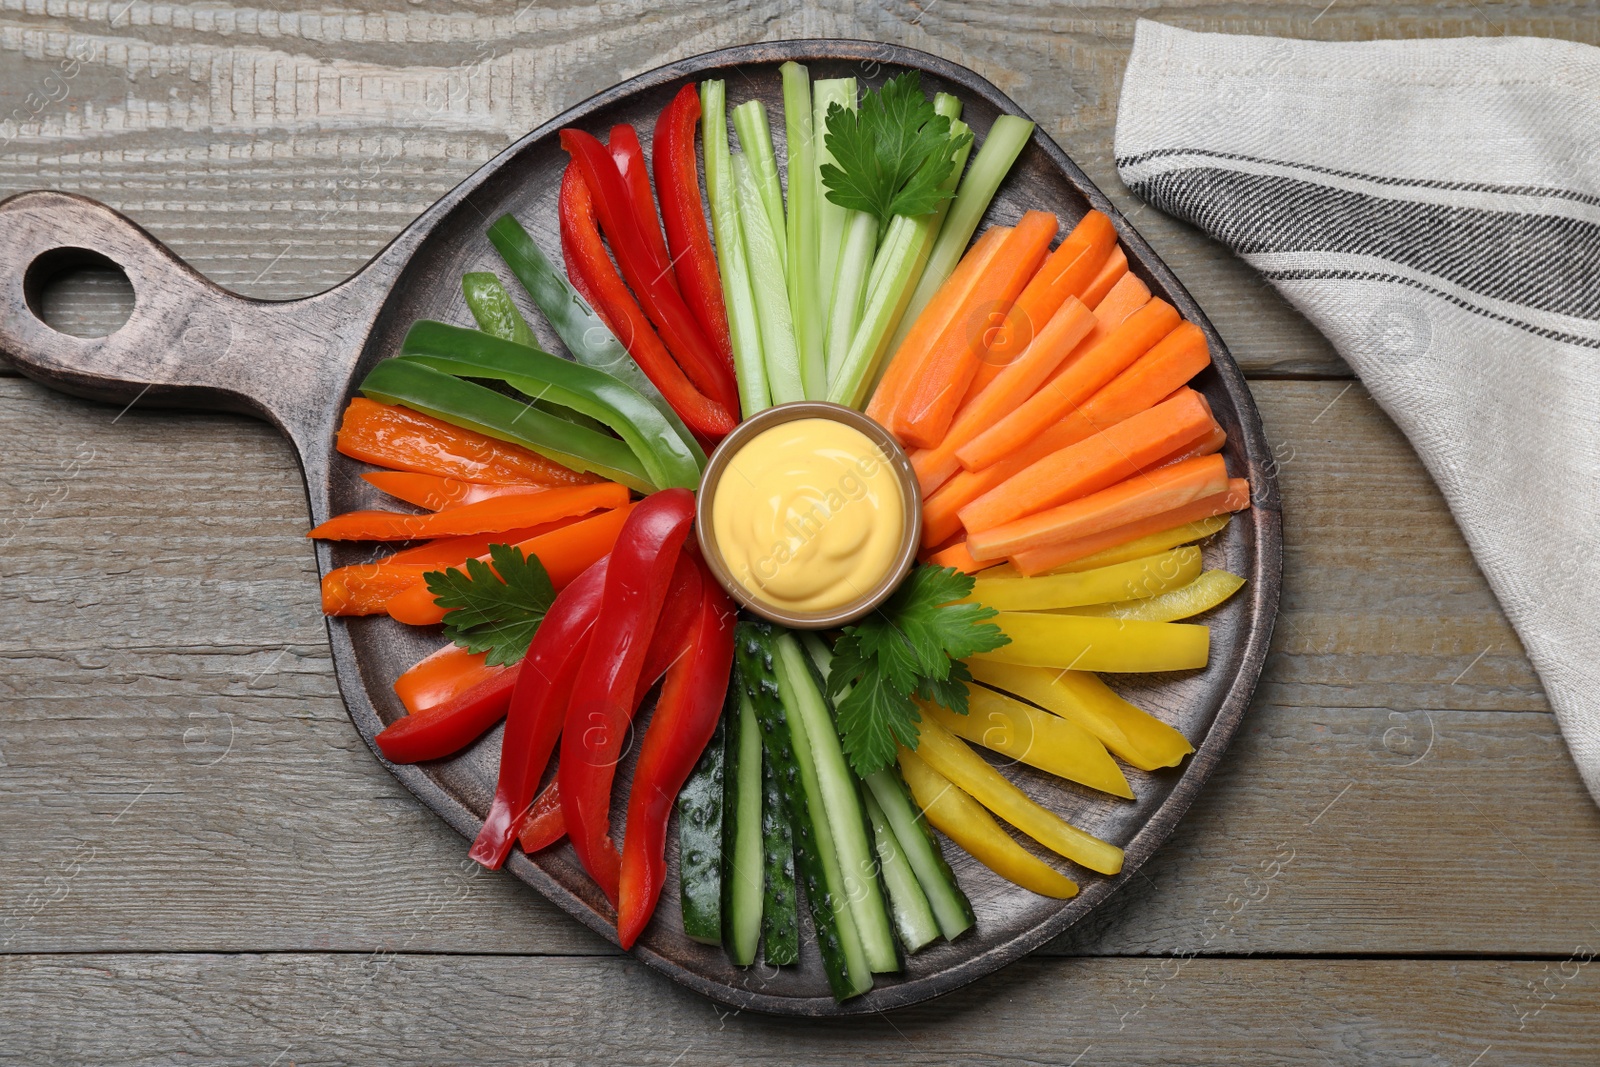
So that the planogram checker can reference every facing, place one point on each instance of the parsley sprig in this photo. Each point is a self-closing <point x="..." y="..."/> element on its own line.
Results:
<point x="494" y="610"/>
<point x="892" y="154"/>
<point x="911" y="646"/>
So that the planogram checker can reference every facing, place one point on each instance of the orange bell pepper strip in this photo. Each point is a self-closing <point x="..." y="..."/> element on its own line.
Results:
<point x="445" y="674"/>
<point x="565" y="553"/>
<point x="367" y="588"/>
<point x="486" y="516"/>
<point x="387" y="435"/>
<point x="437" y="492"/>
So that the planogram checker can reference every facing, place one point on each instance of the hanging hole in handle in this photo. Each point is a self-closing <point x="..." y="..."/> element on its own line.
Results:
<point x="78" y="292"/>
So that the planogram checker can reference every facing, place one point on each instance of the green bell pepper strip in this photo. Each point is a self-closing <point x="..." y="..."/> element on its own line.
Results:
<point x="497" y="316"/>
<point x="583" y="332"/>
<point x="493" y="310"/>
<point x="474" y="354"/>
<point x="475" y="407"/>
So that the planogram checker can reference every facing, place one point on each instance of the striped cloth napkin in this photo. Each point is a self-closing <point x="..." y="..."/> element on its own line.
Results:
<point x="1433" y="207"/>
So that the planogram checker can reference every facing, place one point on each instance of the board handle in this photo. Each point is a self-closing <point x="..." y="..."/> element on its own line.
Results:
<point x="188" y="342"/>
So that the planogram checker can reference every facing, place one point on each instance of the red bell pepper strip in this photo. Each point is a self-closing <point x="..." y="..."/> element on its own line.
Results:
<point x="592" y="274"/>
<point x="545" y="824"/>
<point x="538" y="709"/>
<point x="675" y="627"/>
<point x="684" y="720"/>
<point x="682" y="211"/>
<point x="637" y="579"/>
<point x="449" y="727"/>
<point x="661" y="302"/>
<point x="628" y="154"/>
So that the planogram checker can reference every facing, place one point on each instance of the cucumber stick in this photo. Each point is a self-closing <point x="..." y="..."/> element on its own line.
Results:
<point x="805" y="703"/>
<point x="780" y="916"/>
<point x="806" y="305"/>
<point x="843" y="960"/>
<point x="741" y="836"/>
<point x="744" y="327"/>
<point x="914" y="921"/>
<point x="950" y="905"/>
<point x="700" y="839"/>
<point x="780" y="356"/>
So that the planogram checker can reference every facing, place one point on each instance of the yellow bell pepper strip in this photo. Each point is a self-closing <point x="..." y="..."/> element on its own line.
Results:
<point x="1186" y="601"/>
<point x="1133" y="580"/>
<point x="1058" y="746"/>
<point x="1132" y="734"/>
<point x="968" y="771"/>
<point x="963" y="820"/>
<point x="1077" y="642"/>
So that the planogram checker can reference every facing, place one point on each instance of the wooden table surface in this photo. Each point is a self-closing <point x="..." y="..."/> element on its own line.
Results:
<point x="200" y="862"/>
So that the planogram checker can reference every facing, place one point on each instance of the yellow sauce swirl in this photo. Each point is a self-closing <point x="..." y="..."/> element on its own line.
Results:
<point x="808" y="515"/>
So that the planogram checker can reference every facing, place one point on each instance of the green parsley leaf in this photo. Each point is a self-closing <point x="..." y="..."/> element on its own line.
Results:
<point x="912" y="645"/>
<point x="891" y="155"/>
<point x="494" y="610"/>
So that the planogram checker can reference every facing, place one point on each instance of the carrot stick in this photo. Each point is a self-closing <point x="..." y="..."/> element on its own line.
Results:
<point x="486" y="516"/>
<point x="1210" y="444"/>
<point x="436" y="492"/>
<point x="1110" y="274"/>
<point x="933" y="320"/>
<point x="387" y="435"/>
<point x="937" y="388"/>
<point x="1127" y="502"/>
<point x="565" y="553"/>
<point x="958" y="557"/>
<point x="447" y="673"/>
<point x="1158" y="375"/>
<point x="367" y="588"/>
<point x="1059" y="337"/>
<point x="1235" y="498"/>
<point x="1127" y="296"/>
<point x="1094" y="463"/>
<point x="1080" y="379"/>
<point x="1067" y="272"/>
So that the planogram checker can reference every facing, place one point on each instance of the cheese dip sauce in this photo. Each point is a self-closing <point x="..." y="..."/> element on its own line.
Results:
<point x="808" y="515"/>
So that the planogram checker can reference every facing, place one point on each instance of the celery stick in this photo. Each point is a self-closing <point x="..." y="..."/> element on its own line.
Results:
<point x="780" y="356"/>
<point x="1005" y="142"/>
<point x="805" y="305"/>
<point x="755" y="138"/>
<point x="849" y="289"/>
<point x="830" y="216"/>
<point x="744" y="327"/>
<point x="900" y="262"/>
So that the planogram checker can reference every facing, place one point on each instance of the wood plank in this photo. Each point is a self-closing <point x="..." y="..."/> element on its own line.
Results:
<point x="278" y="149"/>
<point x="485" y="1010"/>
<point x="163" y="654"/>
